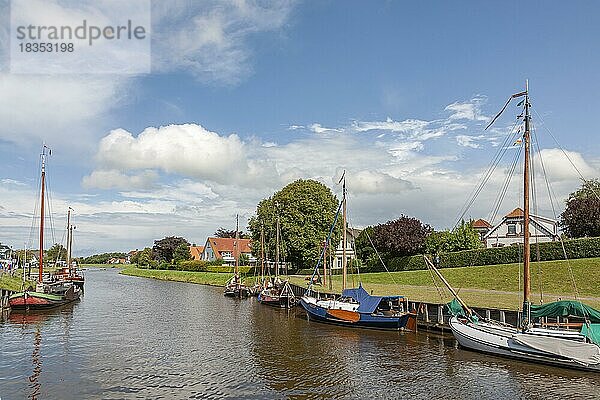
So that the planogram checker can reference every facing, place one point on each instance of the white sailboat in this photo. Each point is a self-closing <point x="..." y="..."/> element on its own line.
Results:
<point x="531" y="341"/>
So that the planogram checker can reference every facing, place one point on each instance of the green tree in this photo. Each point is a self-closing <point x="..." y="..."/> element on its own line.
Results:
<point x="404" y="236"/>
<point x="164" y="249"/>
<point x="144" y="257"/>
<point x="581" y="217"/>
<point x="439" y="242"/>
<point x="182" y="253"/>
<point x="306" y="209"/>
<point x="465" y="237"/>
<point x="56" y="252"/>
<point x="363" y="246"/>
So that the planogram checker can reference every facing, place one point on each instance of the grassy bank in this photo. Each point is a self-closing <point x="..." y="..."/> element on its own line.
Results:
<point x="13" y="282"/>
<point x="203" y="278"/>
<point x="106" y="265"/>
<point x="487" y="286"/>
<point x="493" y="286"/>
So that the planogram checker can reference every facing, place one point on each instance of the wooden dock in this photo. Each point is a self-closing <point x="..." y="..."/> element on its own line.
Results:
<point x="433" y="316"/>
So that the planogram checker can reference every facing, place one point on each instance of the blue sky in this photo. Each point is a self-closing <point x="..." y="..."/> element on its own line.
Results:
<point x="262" y="93"/>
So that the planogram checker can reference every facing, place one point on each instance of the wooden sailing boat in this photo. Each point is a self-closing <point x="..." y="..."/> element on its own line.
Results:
<point x="70" y="273"/>
<point x="531" y="341"/>
<point x="275" y="292"/>
<point x="47" y="294"/>
<point x="355" y="308"/>
<point x="235" y="287"/>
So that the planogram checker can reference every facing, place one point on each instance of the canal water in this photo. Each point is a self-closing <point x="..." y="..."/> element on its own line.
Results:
<point x="136" y="338"/>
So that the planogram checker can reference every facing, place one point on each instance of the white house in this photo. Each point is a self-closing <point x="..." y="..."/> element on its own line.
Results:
<point x="510" y="230"/>
<point x="351" y="235"/>
<point x="226" y="249"/>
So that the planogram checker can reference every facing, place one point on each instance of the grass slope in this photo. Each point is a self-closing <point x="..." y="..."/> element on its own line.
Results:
<point x="492" y="286"/>
<point x="204" y="278"/>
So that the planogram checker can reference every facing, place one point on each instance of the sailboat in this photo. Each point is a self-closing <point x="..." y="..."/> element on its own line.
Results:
<point x="47" y="294"/>
<point x="235" y="287"/>
<point x="70" y="273"/>
<point x="531" y="341"/>
<point x="275" y="292"/>
<point x="356" y="307"/>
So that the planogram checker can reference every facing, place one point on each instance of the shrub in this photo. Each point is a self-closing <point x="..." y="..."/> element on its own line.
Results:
<point x="193" y="265"/>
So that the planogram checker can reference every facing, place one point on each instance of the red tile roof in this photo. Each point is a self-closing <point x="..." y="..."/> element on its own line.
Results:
<point x="517" y="212"/>
<point x="226" y="244"/>
<point x="196" y="252"/>
<point x="481" y="223"/>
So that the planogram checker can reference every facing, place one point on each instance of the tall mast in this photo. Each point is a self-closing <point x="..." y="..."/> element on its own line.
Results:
<point x="344" y="238"/>
<point x="235" y="244"/>
<point x="69" y="232"/>
<point x="262" y="253"/>
<point x="41" y="266"/>
<point x="277" y="247"/>
<point x="526" y="251"/>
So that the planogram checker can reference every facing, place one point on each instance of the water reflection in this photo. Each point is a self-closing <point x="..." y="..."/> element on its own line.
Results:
<point x="36" y="359"/>
<point x="138" y="338"/>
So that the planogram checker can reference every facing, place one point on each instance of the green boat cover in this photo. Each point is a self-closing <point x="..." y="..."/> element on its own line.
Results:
<point x="566" y="308"/>
<point x="592" y="331"/>
<point x="455" y="308"/>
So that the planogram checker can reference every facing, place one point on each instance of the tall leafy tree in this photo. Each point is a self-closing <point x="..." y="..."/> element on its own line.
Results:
<point x="581" y="217"/>
<point x="230" y="233"/>
<point x="182" y="253"/>
<point x="306" y="210"/>
<point x="362" y="244"/>
<point x="164" y="249"/>
<point x="56" y="252"/>
<point x="404" y="236"/>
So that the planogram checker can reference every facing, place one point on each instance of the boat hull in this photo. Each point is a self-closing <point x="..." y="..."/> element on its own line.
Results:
<point x="503" y="341"/>
<point x="38" y="301"/>
<point x="277" y="301"/>
<point x="359" y="320"/>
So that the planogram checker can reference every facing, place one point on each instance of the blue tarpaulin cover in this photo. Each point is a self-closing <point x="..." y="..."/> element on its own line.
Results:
<point x="368" y="303"/>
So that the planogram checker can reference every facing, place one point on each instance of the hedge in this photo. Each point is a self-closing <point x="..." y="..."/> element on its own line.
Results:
<point x="548" y="251"/>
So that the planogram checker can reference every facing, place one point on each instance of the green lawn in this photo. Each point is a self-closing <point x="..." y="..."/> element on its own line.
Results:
<point x="486" y="286"/>
<point x="13" y="282"/>
<point x="204" y="278"/>
<point x="494" y="285"/>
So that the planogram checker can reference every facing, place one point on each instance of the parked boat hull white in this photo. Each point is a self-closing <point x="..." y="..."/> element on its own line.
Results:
<point x="510" y="342"/>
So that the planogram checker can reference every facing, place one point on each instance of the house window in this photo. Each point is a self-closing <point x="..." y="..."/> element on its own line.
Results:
<point x="512" y="229"/>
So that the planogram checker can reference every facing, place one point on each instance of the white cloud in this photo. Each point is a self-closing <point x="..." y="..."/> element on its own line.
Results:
<point x="318" y="128"/>
<point x="470" y="110"/>
<point x="563" y="165"/>
<point x="56" y="109"/>
<point x="209" y="39"/>
<point x="188" y="150"/>
<point x="468" y="141"/>
<point x="114" y="179"/>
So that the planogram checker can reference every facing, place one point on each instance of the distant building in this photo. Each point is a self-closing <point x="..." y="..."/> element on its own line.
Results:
<point x="482" y="227"/>
<point x="226" y="248"/>
<point x="351" y="235"/>
<point x="510" y="230"/>
<point x="196" y="252"/>
<point x="130" y="255"/>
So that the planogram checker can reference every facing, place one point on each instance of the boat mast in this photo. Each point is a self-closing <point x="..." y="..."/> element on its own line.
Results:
<point x="262" y="254"/>
<point x="526" y="251"/>
<point x="277" y="247"/>
<point x="69" y="232"/>
<point x="344" y="238"/>
<point x="235" y="245"/>
<point x="41" y="266"/>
